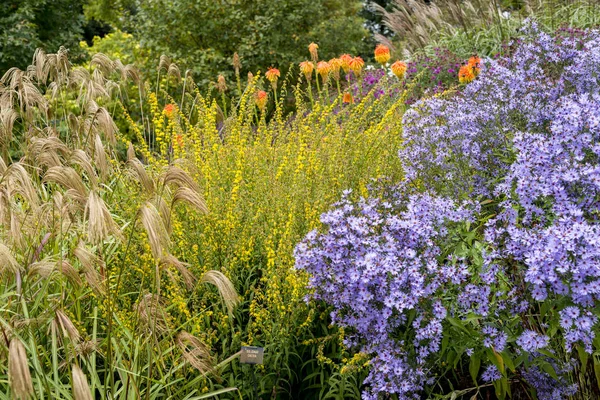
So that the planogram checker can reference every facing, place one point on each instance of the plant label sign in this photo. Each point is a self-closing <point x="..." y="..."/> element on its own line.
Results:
<point x="252" y="355"/>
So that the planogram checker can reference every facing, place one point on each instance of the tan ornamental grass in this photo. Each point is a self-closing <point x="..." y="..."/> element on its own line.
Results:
<point x="67" y="327"/>
<point x="19" y="376"/>
<point x="191" y="197"/>
<point x="195" y="352"/>
<point x="189" y="279"/>
<point x="100" y="221"/>
<point x="81" y="389"/>
<point x="152" y="316"/>
<point x="90" y="264"/>
<point x="155" y="229"/>
<point x="8" y="263"/>
<point x="224" y="286"/>
<point x="141" y="174"/>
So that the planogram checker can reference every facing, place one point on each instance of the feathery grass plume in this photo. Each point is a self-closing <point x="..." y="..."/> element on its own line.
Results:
<point x="68" y="328"/>
<point x="8" y="116"/>
<point x="174" y="72"/>
<point x="155" y="229"/>
<point x="19" y="376"/>
<point x="81" y="389"/>
<point x="100" y="119"/>
<point x="46" y="267"/>
<point x="195" y="352"/>
<point x="100" y="221"/>
<point x="188" y="278"/>
<point x="47" y="151"/>
<point x="89" y="263"/>
<point x="18" y="322"/>
<point x="80" y="157"/>
<point x="103" y="63"/>
<point x="126" y="72"/>
<point x="100" y="157"/>
<point x="43" y="268"/>
<point x="177" y="176"/>
<point x="41" y="67"/>
<point x="224" y="286"/>
<point x="8" y="263"/>
<point x="191" y="197"/>
<point x="20" y="182"/>
<point x="2" y="166"/>
<point x="142" y="175"/>
<point x="164" y="62"/>
<point x="86" y="347"/>
<point x="130" y="152"/>
<point x="91" y="87"/>
<point x="164" y="212"/>
<point x="152" y="315"/>
<point x="68" y="178"/>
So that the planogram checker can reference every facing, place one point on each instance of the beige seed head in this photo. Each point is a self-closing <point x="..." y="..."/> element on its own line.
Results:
<point x="81" y="389"/>
<point x="19" y="376"/>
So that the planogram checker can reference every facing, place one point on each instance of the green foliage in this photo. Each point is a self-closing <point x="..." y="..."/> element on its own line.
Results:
<point x="264" y="32"/>
<point x="28" y="24"/>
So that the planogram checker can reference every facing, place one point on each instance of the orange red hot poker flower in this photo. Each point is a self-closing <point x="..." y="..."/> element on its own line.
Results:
<point x="336" y="65"/>
<point x="307" y="68"/>
<point x="399" y="69"/>
<point x="323" y="69"/>
<point x="382" y="54"/>
<point x="356" y="65"/>
<point x="273" y="75"/>
<point x="469" y="71"/>
<point x="345" y="60"/>
<point x="261" y="99"/>
<point x="169" y="110"/>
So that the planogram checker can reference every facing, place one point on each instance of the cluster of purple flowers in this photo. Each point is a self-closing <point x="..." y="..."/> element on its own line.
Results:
<point x="524" y="137"/>
<point x="377" y="263"/>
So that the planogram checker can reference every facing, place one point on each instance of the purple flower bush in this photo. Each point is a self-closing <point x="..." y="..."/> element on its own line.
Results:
<point x="488" y="254"/>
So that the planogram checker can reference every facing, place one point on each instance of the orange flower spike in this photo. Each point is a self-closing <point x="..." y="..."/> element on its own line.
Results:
<point x="314" y="54"/>
<point x="348" y="99"/>
<point x="169" y="110"/>
<point x="323" y="69"/>
<point x="261" y="99"/>
<point x="345" y="60"/>
<point x="465" y="74"/>
<point x="336" y="65"/>
<point x="382" y="54"/>
<point x="273" y="75"/>
<point x="307" y="68"/>
<point x="475" y="64"/>
<point x="356" y="65"/>
<point x="399" y="69"/>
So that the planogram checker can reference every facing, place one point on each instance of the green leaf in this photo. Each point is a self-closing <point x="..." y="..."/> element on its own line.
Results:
<point x="549" y="369"/>
<point x="215" y="393"/>
<point x="583" y="357"/>
<point x="508" y="361"/>
<point x="474" y="367"/>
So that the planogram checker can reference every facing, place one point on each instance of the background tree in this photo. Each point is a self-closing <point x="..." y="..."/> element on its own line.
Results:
<point x="203" y="34"/>
<point x="28" y="24"/>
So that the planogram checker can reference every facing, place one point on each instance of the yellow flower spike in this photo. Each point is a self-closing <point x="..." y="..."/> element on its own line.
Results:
<point x="382" y="54"/>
